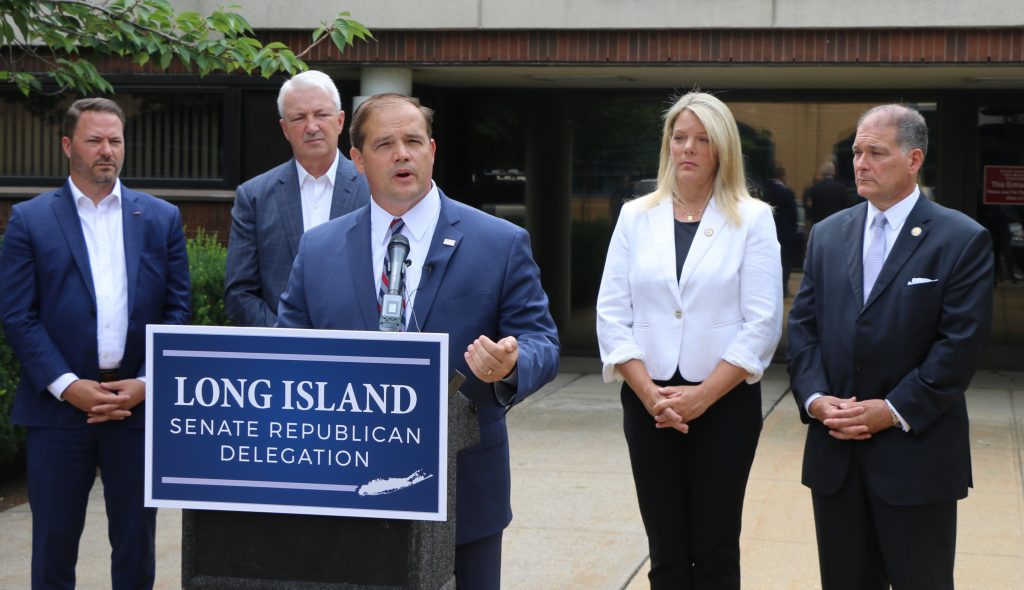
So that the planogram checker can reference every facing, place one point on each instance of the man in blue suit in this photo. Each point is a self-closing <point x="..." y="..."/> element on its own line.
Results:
<point x="893" y="312"/>
<point x="471" y="275"/>
<point x="273" y="210"/>
<point x="84" y="269"/>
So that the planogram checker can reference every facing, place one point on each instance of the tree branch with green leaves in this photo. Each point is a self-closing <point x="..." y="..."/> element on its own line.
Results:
<point x="63" y="38"/>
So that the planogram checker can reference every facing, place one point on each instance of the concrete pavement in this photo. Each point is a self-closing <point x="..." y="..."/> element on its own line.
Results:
<point x="576" y="522"/>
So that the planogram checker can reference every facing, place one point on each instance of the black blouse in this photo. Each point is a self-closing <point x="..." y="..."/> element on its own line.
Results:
<point x="685" y="232"/>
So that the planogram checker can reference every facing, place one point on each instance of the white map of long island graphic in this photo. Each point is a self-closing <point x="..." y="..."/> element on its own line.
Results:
<point x="378" y="487"/>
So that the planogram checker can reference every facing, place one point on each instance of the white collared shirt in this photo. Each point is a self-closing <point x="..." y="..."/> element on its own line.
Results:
<point x="895" y="217"/>
<point x="103" y="230"/>
<point x="316" y="194"/>
<point x="420" y="222"/>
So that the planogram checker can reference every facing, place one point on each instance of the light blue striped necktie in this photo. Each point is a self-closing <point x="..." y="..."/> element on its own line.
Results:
<point x="876" y="253"/>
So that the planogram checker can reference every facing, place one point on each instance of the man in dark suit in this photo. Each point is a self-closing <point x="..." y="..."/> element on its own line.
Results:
<point x="783" y="202"/>
<point x="273" y="210"/>
<point x="884" y="334"/>
<point x="471" y="275"/>
<point x="84" y="269"/>
<point x="826" y="196"/>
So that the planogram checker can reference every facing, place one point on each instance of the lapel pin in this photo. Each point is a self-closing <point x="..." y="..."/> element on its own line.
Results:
<point x="915" y="232"/>
<point x="448" y="242"/>
<point x="136" y="212"/>
<point x="709" y="232"/>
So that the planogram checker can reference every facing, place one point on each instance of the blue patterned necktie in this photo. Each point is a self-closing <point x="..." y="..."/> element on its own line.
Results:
<point x="395" y="228"/>
<point x="876" y="253"/>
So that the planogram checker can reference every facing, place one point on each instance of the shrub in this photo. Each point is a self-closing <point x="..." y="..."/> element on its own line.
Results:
<point x="206" y="261"/>
<point x="11" y="437"/>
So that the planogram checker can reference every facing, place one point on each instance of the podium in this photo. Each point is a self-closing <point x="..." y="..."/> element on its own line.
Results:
<point x="244" y="550"/>
<point x="252" y="545"/>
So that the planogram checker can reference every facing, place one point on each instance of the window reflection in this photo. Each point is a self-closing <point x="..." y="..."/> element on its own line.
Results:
<point x="177" y="136"/>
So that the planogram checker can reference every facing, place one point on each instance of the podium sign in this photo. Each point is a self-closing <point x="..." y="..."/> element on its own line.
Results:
<point x="297" y="421"/>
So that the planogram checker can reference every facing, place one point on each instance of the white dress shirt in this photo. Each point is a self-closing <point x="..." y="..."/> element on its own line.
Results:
<point x="420" y="222"/>
<point x="316" y="194"/>
<point x="103" y="231"/>
<point x="895" y="217"/>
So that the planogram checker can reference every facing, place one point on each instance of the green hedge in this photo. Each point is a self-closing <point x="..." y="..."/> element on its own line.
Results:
<point x="206" y="259"/>
<point x="11" y="436"/>
<point x="206" y="262"/>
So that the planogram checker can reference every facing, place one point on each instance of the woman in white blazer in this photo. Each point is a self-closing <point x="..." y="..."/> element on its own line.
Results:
<point x="689" y="315"/>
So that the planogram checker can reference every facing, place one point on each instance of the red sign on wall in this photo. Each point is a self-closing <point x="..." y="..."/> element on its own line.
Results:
<point x="1004" y="185"/>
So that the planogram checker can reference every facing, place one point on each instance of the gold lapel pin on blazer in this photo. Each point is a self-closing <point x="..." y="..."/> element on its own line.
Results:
<point x="915" y="232"/>
<point x="709" y="232"/>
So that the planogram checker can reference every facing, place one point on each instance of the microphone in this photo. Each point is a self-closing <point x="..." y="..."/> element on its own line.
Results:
<point x="391" y="303"/>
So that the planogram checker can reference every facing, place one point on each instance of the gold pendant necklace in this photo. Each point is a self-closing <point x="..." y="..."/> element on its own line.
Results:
<point x="690" y="215"/>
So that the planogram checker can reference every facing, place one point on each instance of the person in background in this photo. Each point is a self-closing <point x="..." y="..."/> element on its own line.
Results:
<point x="783" y="202"/>
<point x="273" y="210"/>
<point x="826" y="196"/>
<point x="84" y="268"/>
<point x="689" y="314"/>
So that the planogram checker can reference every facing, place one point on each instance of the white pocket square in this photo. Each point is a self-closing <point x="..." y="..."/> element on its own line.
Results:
<point x="920" y="281"/>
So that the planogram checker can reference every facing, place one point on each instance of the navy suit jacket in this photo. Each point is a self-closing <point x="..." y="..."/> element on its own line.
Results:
<point x="915" y="342"/>
<point x="783" y="202"/>
<point x="48" y="302"/>
<point x="479" y="278"/>
<point x="266" y="224"/>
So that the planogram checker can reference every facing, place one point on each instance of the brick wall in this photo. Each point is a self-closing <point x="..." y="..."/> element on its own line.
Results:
<point x="5" y="213"/>
<point x="212" y="216"/>
<point x="897" y="46"/>
<point x="961" y="46"/>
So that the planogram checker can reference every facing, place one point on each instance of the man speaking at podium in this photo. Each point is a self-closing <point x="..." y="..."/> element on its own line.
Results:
<point x="469" y="274"/>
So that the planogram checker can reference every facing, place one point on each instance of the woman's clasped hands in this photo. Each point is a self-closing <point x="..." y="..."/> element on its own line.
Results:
<point x="675" y="406"/>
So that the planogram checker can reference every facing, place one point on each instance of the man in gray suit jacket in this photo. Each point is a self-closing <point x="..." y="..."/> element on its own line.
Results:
<point x="273" y="210"/>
